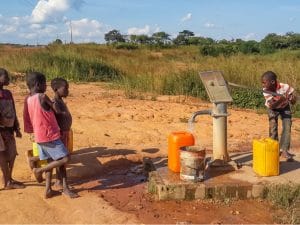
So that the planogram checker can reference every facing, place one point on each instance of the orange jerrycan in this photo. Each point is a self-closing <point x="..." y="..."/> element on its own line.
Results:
<point x="266" y="157"/>
<point x="175" y="141"/>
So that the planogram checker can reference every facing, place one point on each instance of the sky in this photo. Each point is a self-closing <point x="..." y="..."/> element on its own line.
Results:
<point x="43" y="21"/>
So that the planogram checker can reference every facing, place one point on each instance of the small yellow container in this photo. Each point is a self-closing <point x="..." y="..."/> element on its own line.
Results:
<point x="266" y="157"/>
<point x="35" y="152"/>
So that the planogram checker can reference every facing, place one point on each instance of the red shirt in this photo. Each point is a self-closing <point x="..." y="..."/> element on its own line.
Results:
<point x="28" y="128"/>
<point x="44" y="123"/>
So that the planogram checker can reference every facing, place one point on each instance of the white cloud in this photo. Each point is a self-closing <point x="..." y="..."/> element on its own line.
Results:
<point x="291" y="19"/>
<point x="138" y="31"/>
<point x="157" y="29"/>
<point x="85" y="30"/>
<point x="186" y="17"/>
<point x="53" y="10"/>
<point x="250" y="36"/>
<point x="209" y="25"/>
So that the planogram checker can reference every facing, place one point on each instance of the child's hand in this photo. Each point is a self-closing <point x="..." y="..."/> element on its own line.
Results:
<point x="276" y="102"/>
<point x="292" y="99"/>
<point x="18" y="134"/>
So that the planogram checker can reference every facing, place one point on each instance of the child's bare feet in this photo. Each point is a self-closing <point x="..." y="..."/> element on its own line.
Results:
<point x="58" y="184"/>
<point x="12" y="184"/>
<point x="38" y="176"/>
<point x="70" y="193"/>
<point x="50" y="193"/>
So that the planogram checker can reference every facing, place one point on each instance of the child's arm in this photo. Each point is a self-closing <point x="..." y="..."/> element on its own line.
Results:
<point x="57" y="109"/>
<point x="47" y="104"/>
<point x="28" y="128"/>
<point x="16" y="126"/>
<point x="276" y="101"/>
<point x="292" y="98"/>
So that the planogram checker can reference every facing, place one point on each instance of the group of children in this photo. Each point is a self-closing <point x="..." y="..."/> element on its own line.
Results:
<point x="50" y="122"/>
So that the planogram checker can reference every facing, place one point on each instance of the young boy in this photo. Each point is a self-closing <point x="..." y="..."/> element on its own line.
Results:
<point x="46" y="132"/>
<point x="63" y="116"/>
<point x="8" y="126"/>
<point x="278" y="98"/>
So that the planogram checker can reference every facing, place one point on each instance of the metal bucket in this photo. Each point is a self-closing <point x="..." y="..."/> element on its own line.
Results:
<point x="192" y="161"/>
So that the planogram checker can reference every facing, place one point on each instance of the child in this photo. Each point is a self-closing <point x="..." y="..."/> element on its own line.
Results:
<point x="8" y="125"/>
<point x="278" y="97"/>
<point x="32" y="160"/>
<point x="46" y="132"/>
<point x="64" y="119"/>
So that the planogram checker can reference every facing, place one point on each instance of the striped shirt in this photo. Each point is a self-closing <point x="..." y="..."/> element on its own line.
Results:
<point x="283" y="89"/>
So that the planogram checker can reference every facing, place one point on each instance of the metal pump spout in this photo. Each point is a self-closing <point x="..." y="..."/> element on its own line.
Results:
<point x="201" y="112"/>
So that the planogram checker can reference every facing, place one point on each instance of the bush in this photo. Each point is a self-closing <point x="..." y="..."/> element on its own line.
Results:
<point x="128" y="46"/>
<point x="71" y="67"/>
<point x="243" y="98"/>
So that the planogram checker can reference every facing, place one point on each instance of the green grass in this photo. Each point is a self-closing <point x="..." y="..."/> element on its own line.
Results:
<point x="171" y="71"/>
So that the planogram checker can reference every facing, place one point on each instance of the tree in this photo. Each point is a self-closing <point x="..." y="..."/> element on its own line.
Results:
<point x="161" y="37"/>
<point x="249" y="47"/>
<point x="57" y="42"/>
<point x="183" y="37"/>
<point x="272" y="42"/>
<point x="187" y="33"/>
<point x="143" y="39"/>
<point x="114" y="36"/>
<point x="293" y="40"/>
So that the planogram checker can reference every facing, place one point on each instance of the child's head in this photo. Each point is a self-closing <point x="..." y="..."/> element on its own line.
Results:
<point x="269" y="81"/>
<point x="60" y="86"/>
<point x="36" y="82"/>
<point x="4" y="78"/>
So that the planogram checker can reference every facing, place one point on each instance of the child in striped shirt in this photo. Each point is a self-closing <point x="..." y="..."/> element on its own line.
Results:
<point x="278" y="98"/>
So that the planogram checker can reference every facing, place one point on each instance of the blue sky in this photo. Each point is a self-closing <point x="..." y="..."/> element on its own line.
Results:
<point x="42" y="21"/>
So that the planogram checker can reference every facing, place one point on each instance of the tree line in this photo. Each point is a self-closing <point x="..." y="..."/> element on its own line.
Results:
<point x="208" y="46"/>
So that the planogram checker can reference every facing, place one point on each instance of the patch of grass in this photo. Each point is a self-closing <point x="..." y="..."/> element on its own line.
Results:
<point x="282" y="195"/>
<point x="184" y="120"/>
<point x="171" y="71"/>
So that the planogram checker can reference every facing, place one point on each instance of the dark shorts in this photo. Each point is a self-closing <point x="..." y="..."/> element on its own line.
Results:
<point x="52" y="150"/>
<point x="8" y="144"/>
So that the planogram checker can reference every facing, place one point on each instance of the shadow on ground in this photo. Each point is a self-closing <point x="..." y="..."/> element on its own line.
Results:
<point x="100" y="168"/>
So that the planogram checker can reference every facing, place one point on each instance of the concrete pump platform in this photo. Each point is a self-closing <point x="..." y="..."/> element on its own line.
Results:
<point x="237" y="180"/>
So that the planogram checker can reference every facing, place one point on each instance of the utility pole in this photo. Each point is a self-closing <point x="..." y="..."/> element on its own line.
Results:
<point x="71" y="32"/>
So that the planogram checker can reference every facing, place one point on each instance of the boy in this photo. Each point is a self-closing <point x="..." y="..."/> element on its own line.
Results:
<point x="64" y="119"/>
<point x="8" y="126"/>
<point x="46" y="132"/>
<point x="278" y="98"/>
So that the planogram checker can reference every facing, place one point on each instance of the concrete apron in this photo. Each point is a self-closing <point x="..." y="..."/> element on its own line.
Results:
<point x="237" y="180"/>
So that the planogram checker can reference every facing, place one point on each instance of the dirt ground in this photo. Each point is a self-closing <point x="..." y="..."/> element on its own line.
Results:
<point x="112" y="135"/>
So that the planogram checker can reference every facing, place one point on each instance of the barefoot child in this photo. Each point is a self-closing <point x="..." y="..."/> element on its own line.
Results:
<point x="46" y="132"/>
<point x="8" y="126"/>
<point x="64" y="119"/>
<point x="279" y="105"/>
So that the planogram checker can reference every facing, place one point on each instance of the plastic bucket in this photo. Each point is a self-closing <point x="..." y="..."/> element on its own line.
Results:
<point x="192" y="161"/>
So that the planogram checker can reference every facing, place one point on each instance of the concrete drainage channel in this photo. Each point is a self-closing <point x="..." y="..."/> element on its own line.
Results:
<point x="166" y="185"/>
<point x="236" y="181"/>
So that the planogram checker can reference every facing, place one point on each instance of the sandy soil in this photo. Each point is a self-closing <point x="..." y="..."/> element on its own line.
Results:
<point x="112" y="135"/>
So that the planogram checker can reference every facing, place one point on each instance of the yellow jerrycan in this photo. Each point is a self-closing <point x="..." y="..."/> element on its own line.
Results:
<point x="266" y="157"/>
<point x="35" y="152"/>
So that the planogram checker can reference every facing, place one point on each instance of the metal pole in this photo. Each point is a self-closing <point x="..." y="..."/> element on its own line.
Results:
<point x="219" y="114"/>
